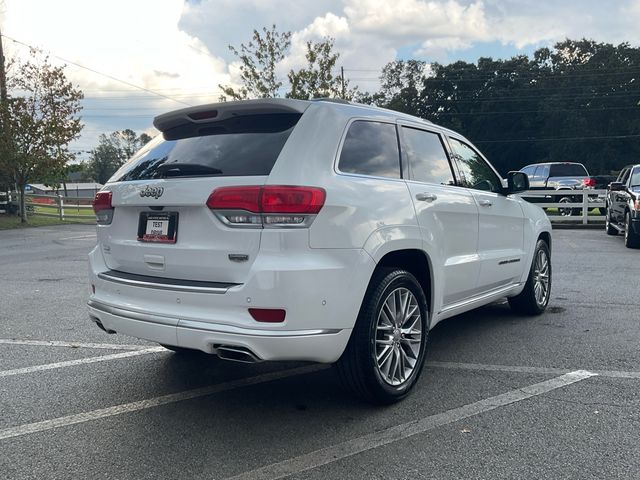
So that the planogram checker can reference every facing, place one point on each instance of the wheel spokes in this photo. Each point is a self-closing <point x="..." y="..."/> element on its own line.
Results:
<point x="398" y="336"/>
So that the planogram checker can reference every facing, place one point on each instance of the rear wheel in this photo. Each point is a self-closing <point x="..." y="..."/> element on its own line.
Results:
<point x="533" y="300"/>
<point x="609" y="228"/>
<point x="386" y="351"/>
<point x="631" y="239"/>
<point x="567" y="211"/>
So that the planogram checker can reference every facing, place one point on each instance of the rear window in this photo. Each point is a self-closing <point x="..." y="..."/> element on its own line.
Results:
<point x="240" y="146"/>
<point x="371" y="148"/>
<point x="568" y="170"/>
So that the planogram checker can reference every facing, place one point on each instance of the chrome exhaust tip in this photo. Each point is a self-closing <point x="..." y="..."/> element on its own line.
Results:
<point x="236" y="354"/>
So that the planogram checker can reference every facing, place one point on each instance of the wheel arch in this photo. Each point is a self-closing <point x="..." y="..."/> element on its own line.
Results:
<point x="417" y="262"/>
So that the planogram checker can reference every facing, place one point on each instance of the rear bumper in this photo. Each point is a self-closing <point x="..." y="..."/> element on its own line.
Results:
<point x="320" y="290"/>
<point x="319" y="345"/>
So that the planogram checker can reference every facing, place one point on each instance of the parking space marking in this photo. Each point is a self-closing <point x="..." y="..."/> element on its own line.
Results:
<point x="79" y="237"/>
<point x="531" y="370"/>
<point x="29" y="428"/>
<point x="80" y="361"/>
<point x="352" y="447"/>
<point x="54" y="343"/>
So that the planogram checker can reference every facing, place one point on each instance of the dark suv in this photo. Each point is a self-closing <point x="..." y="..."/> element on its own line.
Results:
<point x="623" y="206"/>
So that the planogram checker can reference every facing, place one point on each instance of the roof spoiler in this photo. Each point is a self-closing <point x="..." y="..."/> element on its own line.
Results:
<point x="215" y="112"/>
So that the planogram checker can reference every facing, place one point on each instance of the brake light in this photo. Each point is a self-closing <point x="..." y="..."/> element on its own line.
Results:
<point x="267" y="206"/>
<point x="103" y="208"/>
<point x="636" y="204"/>
<point x="589" y="182"/>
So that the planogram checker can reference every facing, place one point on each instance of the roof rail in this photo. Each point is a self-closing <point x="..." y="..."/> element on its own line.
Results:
<point x="329" y="99"/>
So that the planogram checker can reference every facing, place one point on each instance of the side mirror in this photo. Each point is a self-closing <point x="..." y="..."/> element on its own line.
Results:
<point x="616" y="186"/>
<point x="517" y="182"/>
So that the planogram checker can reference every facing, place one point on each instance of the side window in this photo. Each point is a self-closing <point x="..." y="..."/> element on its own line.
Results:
<point x="542" y="173"/>
<point x="529" y="171"/>
<point x="371" y="148"/>
<point x="426" y="157"/>
<point x="536" y="174"/>
<point x="635" y="178"/>
<point x="475" y="171"/>
<point x="624" y="175"/>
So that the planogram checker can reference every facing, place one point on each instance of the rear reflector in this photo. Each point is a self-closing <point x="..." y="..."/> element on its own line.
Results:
<point x="268" y="315"/>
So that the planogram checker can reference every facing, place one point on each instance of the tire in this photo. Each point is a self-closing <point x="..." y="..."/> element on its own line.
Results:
<point x="377" y="345"/>
<point x="610" y="229"/>
<point x="532" y="300"/>
<point x="566" y="212"/>
<point x="631" y="240"/>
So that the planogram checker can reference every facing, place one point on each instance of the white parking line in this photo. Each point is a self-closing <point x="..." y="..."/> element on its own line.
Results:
<point x="54" y="343"/>
<point x="532" y="370"/>
<point x="349" y="448"/>
<point x="80" y="361"/>
<point x="153" y="402"/>
<point x="78" y="237"/>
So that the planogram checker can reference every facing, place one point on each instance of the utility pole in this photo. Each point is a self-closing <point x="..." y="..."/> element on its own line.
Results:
<point x="344" y="93"/>
<point x="3" y="75"/>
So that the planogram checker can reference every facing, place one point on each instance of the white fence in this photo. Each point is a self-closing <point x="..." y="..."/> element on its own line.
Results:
<point x="58" y="206"/>
<point x="573" y="206"/>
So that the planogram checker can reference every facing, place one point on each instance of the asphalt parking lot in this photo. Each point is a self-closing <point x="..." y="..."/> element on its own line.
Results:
<point x="554" y="396"/>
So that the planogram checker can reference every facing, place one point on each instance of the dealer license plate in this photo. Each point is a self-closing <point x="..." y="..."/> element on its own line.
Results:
<point x="158" y="227"/>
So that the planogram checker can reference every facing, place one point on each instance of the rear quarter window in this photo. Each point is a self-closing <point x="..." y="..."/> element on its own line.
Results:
<point x="371" y="148"/>
<point x="568" y="170"/>
<point x="240" y="146"/>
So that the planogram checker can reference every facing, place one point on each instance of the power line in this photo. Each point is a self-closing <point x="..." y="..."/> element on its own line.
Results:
<point x="536" y="111"/>
<point x="100" y="73"/>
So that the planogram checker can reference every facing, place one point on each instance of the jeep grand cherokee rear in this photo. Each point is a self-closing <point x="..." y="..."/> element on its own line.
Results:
<point x="310" y="230"/>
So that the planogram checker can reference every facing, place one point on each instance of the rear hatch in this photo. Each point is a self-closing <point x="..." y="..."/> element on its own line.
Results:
<point x="161" y="225"/>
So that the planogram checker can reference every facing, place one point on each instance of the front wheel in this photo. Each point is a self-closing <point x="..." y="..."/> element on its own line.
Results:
<point x="533" y="300"/>
<point x="386" y="351"/>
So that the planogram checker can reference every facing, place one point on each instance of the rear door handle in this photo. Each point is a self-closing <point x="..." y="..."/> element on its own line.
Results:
<point x="484" y="203"/>
<point x="426" y="197"/>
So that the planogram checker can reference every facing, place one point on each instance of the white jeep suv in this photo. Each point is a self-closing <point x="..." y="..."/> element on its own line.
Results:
<point x="311" y="230"/>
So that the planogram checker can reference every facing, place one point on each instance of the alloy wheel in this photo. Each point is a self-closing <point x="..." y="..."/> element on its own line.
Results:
<point x="398" y="336"/>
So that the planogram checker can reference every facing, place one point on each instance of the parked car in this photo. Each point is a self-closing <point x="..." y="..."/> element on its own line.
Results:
<point x="311" y="230"/>
<point x="623" y="206"/>
<point x="563" y="177"/>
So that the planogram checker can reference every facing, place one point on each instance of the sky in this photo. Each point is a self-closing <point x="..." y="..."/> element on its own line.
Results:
<point x="179" y="48"/>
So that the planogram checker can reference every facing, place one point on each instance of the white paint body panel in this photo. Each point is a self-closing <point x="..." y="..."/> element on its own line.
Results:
<point x="318" y="275"/>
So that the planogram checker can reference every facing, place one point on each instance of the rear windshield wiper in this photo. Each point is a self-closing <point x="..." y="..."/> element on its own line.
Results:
<point x="185" y="170"/>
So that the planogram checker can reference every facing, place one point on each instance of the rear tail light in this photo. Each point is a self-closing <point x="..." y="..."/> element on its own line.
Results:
<point x="636" y="204"/>
<point x="268" y="206"/>
<point x="103" y="208"/>
<point x="589" y="182"/>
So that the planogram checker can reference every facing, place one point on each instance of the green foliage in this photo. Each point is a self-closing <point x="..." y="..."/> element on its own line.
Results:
<point x="112" y="151"/>
<point x="317" y="79"/>
<point x="258" y="62"/>
<point x="39" y="119"/>
<point x="527" y="110"/>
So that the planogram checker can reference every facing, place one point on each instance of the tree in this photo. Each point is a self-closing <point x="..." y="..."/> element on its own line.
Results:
<point x="112" y="151"/>
<point x="317" y="79"/>
<point x="259" y="59"/>
<point x="39" y="119"/>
